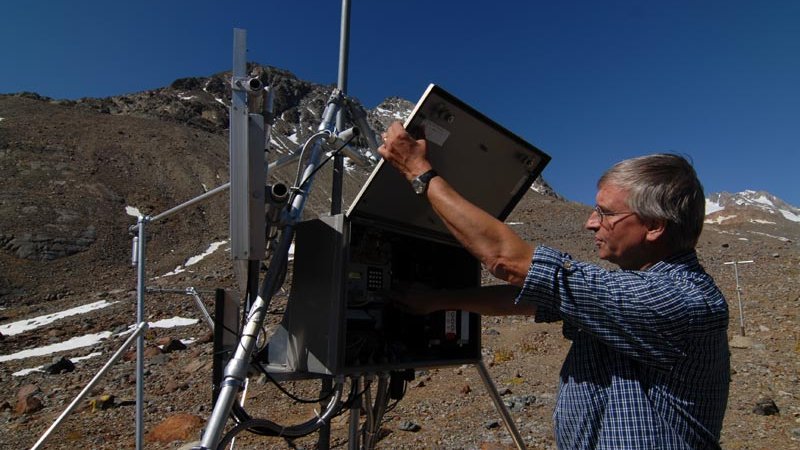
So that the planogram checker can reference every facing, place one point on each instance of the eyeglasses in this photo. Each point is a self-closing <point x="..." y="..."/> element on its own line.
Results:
<point x="602" y="214"/>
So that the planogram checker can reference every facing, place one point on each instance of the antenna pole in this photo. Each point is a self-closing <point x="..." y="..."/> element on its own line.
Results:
<point x="341" y="84"/>
<point x="739" y="291"/>
<point x="324" y="434"/>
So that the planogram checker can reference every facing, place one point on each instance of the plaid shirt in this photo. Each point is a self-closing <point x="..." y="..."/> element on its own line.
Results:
<point x="649" y="365"/>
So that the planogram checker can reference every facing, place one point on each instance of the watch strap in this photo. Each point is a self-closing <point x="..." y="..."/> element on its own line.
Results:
<point x="420" y="183"/>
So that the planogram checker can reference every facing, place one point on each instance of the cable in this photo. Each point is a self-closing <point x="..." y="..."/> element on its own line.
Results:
<point x="306" y="146"/>
<point x="323" y="396"/>
<point x="265" y="427"/>
<point x="328" y="158"/>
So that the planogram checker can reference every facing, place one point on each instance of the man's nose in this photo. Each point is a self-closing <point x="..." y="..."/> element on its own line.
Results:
<point x="593" y="222"/>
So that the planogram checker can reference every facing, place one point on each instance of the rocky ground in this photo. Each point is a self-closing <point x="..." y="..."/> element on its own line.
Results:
<point x="65" y="175"/>
<point x="444" y="407"/>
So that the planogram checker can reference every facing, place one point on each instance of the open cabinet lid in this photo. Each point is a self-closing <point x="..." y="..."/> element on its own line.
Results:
<point x="485" y="163"/>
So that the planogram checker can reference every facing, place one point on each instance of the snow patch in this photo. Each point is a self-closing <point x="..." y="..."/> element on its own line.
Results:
<point x="780" y="238"/>
<point x="719" y="219"/>
<point x="70" y="344"/>
<point x="89" y="340"/>
<point x="172" y="322"/>
<point x="788" y="215"/>
<point x="75" y="342"/>
<point x="31" y="324"/>
<point x="764" y="201"/>
<point x="176" y="271"/>
<point x="24" y="372"/>
<point x="712" y="207"/>
<point x="394" y="114"/>
<point x="214" y="246"/>
<point x="211" y="249"/>
<point x="761" y="221"/>
<point x="222" y="102"/>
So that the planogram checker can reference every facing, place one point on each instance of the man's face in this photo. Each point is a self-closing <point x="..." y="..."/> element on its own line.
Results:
<point x="619" y="235"/>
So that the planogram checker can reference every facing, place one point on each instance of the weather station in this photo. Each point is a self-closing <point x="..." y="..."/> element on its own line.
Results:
<point x="340" y="325"/>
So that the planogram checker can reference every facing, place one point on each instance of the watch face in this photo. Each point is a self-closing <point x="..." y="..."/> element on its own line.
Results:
<point x="418" y="185"/>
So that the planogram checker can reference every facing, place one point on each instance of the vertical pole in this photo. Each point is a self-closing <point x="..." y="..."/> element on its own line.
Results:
<point x="338" y="161"/>
<point x="739" y="291"/>
<point x="140" y="318"/>
<point x="355" y="409"/>
<point x="344" y="46"/>
<point x="739" y="298"/>
<point x="323" y="443"/>
<point x="218" y="358"/>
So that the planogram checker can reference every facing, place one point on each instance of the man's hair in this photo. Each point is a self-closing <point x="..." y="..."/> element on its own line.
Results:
<point x="663" y="187"/>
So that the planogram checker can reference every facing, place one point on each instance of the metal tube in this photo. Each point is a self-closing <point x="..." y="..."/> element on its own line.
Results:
<point x="498" y="404"/>
<point x="355" y="409"/>
<point x="134" y="251"/>
<point x="236" y="369"/>
<point x="139" y="331"/>
<point x="381" y="400"/>
<point x="284" y="161"/>
<point x="739" y="291"/>
<point x="305" y="180"/>
<point x="368" y="411"/>
<point x="180" y="291"/>
<point x="191" y="291"/>
<point x="739" y="298"/>
<point x="199" y="198"/>
<point x="140" y="318"/>
<point x="341" y="84"/>
<point x="235" y="373"/>
<point x="344" y="46"/>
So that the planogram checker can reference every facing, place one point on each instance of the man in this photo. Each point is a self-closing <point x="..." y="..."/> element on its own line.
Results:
<point x="649" y="362"/>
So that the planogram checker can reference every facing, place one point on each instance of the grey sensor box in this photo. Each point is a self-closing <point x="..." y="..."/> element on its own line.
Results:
<point x="340" y="319"/>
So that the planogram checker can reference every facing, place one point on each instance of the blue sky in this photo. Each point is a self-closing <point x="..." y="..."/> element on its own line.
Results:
<point x="589" y="82"/>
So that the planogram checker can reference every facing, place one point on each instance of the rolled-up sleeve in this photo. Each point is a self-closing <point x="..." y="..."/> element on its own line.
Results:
<point x="541" y="285"/>
<point x="641" y="314"/>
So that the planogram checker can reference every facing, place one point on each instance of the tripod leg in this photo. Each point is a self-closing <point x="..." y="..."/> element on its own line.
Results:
<point x="235" y="375"/>
<point x="355" y="409"/>
<point x="500" y="406"/>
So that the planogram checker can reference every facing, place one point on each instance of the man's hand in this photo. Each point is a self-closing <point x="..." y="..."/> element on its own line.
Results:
<point x="494" y="243"/>
<point x="495" y="300"/>
<point x="407" y="155"/>
<point x="416" y="299"/>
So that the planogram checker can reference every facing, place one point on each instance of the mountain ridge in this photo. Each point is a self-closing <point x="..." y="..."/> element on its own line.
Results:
<point x="202" y="102"/>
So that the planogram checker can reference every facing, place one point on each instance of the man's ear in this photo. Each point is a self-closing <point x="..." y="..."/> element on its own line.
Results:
<point x="656" y="228"/>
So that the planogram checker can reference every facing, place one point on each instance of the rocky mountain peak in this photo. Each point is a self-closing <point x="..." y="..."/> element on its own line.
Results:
<point x="756" y="200"/>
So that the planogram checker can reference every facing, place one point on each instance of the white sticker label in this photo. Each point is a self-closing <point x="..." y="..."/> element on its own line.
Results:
<point x="450" y="324"/>
<point x="434" y="133"/>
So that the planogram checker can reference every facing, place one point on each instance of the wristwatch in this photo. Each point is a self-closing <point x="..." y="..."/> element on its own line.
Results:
<point x="420" y="183"/>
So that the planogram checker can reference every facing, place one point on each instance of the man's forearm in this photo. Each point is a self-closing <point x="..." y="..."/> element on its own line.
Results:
<point x="497" y="300"/>
<point x="495" y="245"/>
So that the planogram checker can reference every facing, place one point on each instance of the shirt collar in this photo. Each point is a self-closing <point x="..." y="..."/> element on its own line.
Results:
<point x="679" y="261"/>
